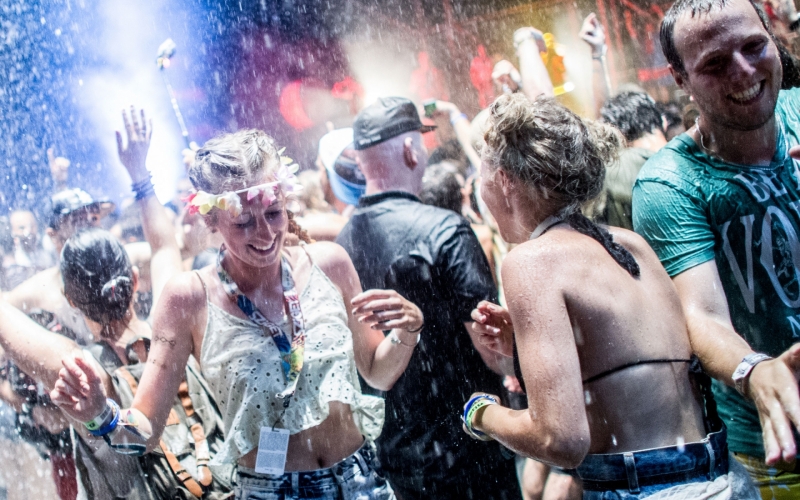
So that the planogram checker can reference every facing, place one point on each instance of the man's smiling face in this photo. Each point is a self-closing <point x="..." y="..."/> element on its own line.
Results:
<point x="732" y="66"/>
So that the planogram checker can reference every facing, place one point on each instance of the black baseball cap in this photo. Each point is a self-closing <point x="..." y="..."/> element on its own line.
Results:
<point x="386" y="118"/>
<point x="68" y="201"/>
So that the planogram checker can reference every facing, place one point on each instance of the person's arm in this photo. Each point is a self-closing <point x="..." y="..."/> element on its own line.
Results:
<point x="379" y="360"/>
<point x="535" y="78"/>
<point x="593" y="34"/>
<point x="34" y="349"/>
<point x="462" y="128"/>
<point x="555" y="432"/>
<point x="80" y="395"/>
<point x="674" y="223"/>
<point x="165" y="259"/>
<point x="772" y="384"/>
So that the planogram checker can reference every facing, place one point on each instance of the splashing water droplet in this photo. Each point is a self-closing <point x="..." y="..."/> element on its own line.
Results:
<point x="681" y="444"/>
<point x="587" y="397"/>
<point x="614" y="440"/>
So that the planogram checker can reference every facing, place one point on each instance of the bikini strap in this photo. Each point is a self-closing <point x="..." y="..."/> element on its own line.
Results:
<point x="630" y="365"/>
<point x="205" y="288"/>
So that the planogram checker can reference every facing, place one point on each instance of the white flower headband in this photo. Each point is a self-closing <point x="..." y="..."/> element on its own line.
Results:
<point x="285" y="182"/>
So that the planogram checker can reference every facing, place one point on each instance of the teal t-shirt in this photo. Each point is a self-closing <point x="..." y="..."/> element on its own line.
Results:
<point x="693" y="208"/>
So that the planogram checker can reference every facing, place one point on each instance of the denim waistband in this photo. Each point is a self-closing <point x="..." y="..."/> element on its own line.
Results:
<point x="703" y="460"/>
<point x="362" y="457"/>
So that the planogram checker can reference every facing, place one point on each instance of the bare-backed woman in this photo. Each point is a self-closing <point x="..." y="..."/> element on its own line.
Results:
<point x="593" y="322"/>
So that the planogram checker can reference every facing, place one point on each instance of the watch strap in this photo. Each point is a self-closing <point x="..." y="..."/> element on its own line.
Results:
<point x="742" y="372"/>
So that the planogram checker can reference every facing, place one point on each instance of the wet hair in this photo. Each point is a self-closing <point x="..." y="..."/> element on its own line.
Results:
<point x="98" y="276"/>
<point x="671" y="112"/>
<point x="453" y="152"/>
<point x="635" y="114"/>
<point x="558" y="156"/>
<point x="441" y="188"/>
<point x="229" y="162"/>
<point x="790" y="64"/>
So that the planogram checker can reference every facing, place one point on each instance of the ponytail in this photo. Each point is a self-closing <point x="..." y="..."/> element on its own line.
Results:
<point x="620" y="254"/>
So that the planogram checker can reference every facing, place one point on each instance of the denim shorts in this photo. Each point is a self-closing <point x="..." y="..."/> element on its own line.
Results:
<point x="357" y="477"/>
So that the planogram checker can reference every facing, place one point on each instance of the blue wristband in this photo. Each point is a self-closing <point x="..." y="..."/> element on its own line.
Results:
<point x="109" y="427"/>
<point x="468" y="407"/>
<point x="460" y="116"/>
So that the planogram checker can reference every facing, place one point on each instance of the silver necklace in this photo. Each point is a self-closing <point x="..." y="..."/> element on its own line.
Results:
<point x="712" y="153"/>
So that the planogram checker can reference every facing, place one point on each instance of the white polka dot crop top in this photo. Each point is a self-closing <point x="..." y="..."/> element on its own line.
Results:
<point x="241" y="364"/>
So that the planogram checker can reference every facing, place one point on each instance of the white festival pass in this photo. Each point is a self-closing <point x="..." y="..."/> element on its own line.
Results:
<point x="273" y="445"/>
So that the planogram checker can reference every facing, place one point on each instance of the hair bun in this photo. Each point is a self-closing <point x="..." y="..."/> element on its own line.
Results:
<point x="112" y="289"/>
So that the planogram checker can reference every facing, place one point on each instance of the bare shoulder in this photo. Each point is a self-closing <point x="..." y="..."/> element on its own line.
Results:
<point x="335" y="262"/>
<point x="329" y="256"/>
<point x="185" y="291"/>
<point x="635" y="244"/>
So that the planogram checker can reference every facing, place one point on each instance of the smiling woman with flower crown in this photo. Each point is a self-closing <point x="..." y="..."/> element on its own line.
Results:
<point x="278" y="331"/>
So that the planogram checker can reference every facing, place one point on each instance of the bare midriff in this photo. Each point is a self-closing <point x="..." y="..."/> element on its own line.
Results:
<point x="320" y="447"/>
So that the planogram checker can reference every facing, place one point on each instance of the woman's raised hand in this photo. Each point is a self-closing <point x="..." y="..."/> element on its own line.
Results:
<point x="493" y="323"/>
<point x="386" y="310"/>
<point x="79" y="390"/>
<point x="138" y="131"/>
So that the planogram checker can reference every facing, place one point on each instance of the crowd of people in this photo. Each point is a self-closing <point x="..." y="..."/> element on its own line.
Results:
<point x="545" y="306"/>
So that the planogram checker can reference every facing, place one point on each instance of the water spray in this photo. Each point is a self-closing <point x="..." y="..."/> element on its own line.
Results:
<point x="165" y="51"/>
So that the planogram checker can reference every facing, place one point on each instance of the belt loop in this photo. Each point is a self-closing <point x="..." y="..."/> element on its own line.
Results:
<point x="295" y="483"/>
<point x="712" y="459"/>
<point x="630" y="470"/>
<point x="362" y="463"/>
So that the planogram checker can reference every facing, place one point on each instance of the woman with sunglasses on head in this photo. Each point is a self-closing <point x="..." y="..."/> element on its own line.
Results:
<point x="278" y="331"/>
<point x="593" y="322"/>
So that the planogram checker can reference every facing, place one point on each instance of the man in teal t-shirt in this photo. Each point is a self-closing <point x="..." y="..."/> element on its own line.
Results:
<point x="720" y="205"/>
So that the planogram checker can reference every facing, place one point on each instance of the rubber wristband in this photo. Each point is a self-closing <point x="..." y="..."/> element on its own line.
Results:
<point x="99" y="421"/>
<point x="106" y="429"/>
<point x="458" y="117"/>
<point x="472" y="407"/>
<point x="143" y="188"/>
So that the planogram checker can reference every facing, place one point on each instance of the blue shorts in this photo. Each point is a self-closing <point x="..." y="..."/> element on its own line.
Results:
<point x="358" y="476"/>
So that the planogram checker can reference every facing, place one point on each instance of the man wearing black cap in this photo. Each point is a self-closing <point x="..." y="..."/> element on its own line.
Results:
<point x="72" y="210"/>
<point x="432" y="257"/>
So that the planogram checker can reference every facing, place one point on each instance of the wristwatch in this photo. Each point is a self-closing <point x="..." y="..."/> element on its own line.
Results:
<point x="742" y="372"/>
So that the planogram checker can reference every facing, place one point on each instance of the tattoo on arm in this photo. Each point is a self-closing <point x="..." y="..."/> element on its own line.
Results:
<point x="164" y="340"/>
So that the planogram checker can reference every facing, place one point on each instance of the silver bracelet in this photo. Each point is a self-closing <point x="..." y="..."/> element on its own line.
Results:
<point x="396" y="340"/>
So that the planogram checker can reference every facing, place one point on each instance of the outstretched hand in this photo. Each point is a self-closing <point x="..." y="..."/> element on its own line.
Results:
<point x="138" y="131"/>
<point x="79" y="390"/>
<point x="593" y="34"/>
<point x="773" y="387"/>
<point x="493" y="323"/>
<point x="386" y="310"/>
<point x="795" y="152"/>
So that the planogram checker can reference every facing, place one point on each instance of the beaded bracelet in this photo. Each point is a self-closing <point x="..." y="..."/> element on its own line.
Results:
<point x="470" y="409"/>
<point x="143" y="188"/>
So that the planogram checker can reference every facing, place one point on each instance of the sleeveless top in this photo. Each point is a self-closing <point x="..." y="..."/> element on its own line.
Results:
<point x="241" y="364"/>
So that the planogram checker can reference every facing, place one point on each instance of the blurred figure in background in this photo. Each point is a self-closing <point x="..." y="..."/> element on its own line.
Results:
<point x="331" y="193"/>
<point x="28" y="256"/>
<point x="59" y="171"/>
<point x="639" y="118"/>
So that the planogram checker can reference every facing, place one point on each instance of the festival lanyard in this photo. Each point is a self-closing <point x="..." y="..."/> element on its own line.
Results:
<point x="291" y="352"/>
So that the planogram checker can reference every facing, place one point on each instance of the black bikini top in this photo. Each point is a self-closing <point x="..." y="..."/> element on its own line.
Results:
<point x="593" y="378"/>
